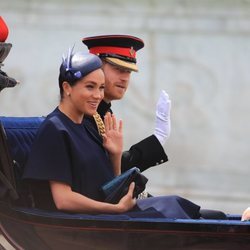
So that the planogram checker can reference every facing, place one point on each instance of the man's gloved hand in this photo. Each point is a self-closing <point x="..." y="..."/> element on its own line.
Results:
<point x="163" y="123"/>
<point x="246" y="215"/>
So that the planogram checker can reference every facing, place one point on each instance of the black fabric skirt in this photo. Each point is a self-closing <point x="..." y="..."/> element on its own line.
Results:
<point x="172" y="207"/>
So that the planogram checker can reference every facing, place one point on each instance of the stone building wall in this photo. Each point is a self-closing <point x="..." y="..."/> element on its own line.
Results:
<point x="197" y="50"/>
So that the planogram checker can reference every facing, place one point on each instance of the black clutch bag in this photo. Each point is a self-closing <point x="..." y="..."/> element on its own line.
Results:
<point x="115" y="189"/>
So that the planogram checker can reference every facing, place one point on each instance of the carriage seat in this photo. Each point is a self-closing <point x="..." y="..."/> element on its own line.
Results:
<point x="20" y="133"/>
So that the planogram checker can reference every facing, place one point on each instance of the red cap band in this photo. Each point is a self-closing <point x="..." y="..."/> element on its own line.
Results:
<point x="128" y="52"/>
<point x="4" y="31"/>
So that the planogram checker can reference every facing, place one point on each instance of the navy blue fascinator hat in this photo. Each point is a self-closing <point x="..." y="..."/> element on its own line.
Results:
<point x="77" y="65"/>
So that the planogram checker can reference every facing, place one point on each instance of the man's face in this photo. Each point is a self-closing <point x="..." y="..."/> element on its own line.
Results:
<point x="116" y="82"/>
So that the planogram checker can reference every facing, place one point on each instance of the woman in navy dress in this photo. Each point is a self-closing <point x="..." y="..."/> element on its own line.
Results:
<point x="69" y="161"/>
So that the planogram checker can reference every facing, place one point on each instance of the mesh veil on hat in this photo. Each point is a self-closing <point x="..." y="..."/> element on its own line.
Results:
<point x="119" y="50"/>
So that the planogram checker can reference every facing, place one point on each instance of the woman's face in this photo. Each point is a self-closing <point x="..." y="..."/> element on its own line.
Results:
<point x="85" y="96"/>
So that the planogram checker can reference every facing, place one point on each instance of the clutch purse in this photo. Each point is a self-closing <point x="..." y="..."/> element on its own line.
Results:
<point x="115" y="189"/>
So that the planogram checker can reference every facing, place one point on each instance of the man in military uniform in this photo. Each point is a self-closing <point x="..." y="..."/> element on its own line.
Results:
<point x="118" y="53"/>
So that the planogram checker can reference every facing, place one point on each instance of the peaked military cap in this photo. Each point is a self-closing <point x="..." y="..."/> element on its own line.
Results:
<point x="119" y="50"/>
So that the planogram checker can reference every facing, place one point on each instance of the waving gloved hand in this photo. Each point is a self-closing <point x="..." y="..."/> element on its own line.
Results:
<point x="163" y="123"/>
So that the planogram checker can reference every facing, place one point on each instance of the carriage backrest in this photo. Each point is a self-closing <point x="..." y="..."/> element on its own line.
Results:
<point x="20" y="133"/>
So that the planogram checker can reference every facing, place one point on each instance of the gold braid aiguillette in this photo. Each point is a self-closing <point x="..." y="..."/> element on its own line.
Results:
<point x="99" y="123"/>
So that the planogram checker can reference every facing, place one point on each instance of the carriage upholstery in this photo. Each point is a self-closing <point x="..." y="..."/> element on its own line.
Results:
<point x="20" y="133"/>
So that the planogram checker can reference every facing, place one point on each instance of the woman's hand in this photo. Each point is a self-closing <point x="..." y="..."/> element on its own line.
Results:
<point x="112" y="139"/>
<point x="246" y="214"/>
<point x="127" y="202"/>
<point x="67" y="200"/>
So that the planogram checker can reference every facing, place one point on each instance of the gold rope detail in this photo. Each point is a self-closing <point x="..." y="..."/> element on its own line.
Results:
<point x="99" y="124"/>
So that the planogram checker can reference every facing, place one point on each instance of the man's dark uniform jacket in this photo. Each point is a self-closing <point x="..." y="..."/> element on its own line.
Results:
<point x="144" y="154"/>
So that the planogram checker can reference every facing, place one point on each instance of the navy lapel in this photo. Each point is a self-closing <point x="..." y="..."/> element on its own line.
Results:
<point x="92" y="131"/>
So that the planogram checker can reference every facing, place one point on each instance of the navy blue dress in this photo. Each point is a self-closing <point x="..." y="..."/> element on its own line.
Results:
<point x="70" y="153"/>
<point x="73" y="154"/>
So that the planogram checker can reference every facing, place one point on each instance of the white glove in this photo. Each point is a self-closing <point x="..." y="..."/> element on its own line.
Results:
<point x="163" y="123"/>
<point x="246" y="215"/>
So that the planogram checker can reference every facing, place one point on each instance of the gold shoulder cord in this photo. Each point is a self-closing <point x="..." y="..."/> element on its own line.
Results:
<point x="99" y="123"/>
